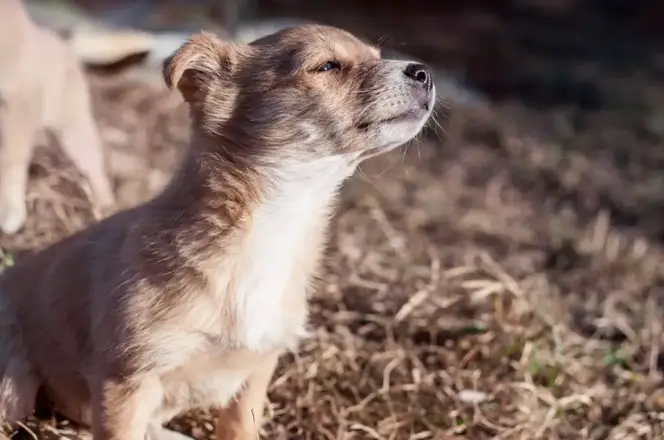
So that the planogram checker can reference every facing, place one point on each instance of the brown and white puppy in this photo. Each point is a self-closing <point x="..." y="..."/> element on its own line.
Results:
<point x="188" y="300"/>
<point x="42" y="88"/>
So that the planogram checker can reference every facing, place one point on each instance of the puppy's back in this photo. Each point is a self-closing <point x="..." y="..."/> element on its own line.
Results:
<point x="47" y="304"/>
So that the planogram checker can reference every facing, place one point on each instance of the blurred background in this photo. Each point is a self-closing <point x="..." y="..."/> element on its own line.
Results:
<point x="501" y="278"/>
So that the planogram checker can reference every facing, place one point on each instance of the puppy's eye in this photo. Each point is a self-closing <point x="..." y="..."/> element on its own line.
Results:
<point x="330" y="65"/>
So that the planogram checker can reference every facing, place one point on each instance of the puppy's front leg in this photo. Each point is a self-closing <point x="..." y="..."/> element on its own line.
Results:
<point x="18" y="127"/>
<point x="123" y="410"/>
<point x="242" y="418"/>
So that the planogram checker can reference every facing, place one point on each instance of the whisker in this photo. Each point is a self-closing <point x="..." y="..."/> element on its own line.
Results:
<point x="367" y="179"/>
<point x="403" y="154"/>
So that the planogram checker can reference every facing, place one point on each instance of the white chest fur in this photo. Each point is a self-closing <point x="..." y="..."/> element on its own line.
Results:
<point x="278" y="252"/>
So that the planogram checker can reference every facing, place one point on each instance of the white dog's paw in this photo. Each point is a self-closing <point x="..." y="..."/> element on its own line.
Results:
<point x="161" y="433"/>
<point x="103" y="193"/>
<point x="83" y="435"/>
<point x="13" y="214"/>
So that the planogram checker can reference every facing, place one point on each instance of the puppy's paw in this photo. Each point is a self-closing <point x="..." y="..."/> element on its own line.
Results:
<point x="13" y="214"/>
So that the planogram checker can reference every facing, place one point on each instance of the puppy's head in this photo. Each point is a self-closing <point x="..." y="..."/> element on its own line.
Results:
<point x="305" y="92"/>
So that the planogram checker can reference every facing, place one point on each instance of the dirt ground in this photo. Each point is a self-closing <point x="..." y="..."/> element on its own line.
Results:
<point x="501" y="278"/>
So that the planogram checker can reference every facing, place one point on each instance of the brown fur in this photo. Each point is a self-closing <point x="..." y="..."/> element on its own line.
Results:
<point x="42" y="88"/>
<point x="188" y="300"/>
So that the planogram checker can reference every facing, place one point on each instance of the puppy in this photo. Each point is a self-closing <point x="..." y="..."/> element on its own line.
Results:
<point x="188" y="300"/>
<point x="42" y="88"/>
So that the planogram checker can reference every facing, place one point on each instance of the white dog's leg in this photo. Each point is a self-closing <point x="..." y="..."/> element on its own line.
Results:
<point x="18" y="127"/>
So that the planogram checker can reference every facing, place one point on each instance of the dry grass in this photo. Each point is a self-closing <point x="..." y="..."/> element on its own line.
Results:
<point x="481" y="286"/>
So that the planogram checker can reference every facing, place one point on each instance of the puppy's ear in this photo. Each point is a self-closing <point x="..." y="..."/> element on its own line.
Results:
<point x="197" y="65"/>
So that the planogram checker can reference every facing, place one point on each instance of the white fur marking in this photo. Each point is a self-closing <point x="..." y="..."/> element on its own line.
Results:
<point x="297" y="202"/>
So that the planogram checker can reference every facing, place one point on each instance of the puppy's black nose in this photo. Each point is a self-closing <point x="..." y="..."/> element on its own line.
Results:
<point x="420" y="73"/>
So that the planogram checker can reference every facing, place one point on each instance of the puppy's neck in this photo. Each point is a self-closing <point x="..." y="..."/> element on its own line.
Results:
<point x="239" y="185"/>
<point x="296" y="196"/>
<point x="279" y="248"/>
